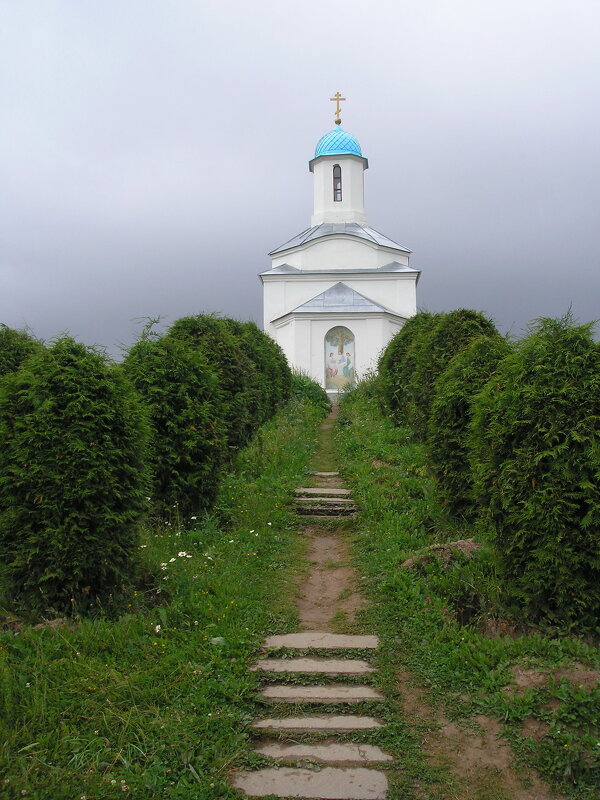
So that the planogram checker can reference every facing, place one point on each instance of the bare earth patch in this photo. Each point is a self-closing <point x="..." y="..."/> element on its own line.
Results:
<point x="534" y="728"/>
<point x="579" y="675"/>
<point x="531" y="678"/>
<point x="480" y="760"/>
<point x="327" y="482"/>
<point x="445" y="553"/>
<point x="328" y="591"/>
<point x="528" y="678"/>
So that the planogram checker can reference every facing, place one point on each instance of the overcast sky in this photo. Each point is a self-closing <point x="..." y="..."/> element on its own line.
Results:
<point x="153" y="151"/>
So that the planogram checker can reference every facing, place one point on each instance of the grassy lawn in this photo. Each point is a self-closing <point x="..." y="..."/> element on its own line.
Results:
<point x="446" y="630"/>
<point x="155" y="703"/>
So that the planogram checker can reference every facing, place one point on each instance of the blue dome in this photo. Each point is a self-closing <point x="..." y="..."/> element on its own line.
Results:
<point x="337" y="143"/>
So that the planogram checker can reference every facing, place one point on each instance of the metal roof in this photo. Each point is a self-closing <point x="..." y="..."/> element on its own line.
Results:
<point x="340" y="299"/>
<point x="287" y="269"/>
<point x="336" y="143"/>
<point x="335" y="229"/>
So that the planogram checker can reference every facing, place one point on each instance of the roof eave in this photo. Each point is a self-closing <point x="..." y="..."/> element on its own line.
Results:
<point x="326" y="314"/>
<point x="364" y="160"/>
<point x="283" y="249"/>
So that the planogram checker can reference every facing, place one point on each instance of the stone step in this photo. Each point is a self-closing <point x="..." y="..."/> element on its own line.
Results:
<point x="311" y="722"/>
<point x="329" y="641"/>
<point x="329" y="666"/>
<point x="331" y="783"/>
<point x="326" y="474"/>
<point x="326" y="513"/>
<point x="336" y="501"/>
<point x="321" y="694"/>
<point x="330" y="752"/>
<point x="326" y="492"/>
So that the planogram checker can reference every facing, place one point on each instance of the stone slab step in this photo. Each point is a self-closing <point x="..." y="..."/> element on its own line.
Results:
<point x="329" y="666"/>
<point x="335" y="501"/>
<point x="321" y="694"/>
<point x="311" y="722"/>
<point x="330" y="641"/>
<point x="326" y="474"/>
<point x="326" y="492"/>
<point x="331" y="783"/>
<point x="326" y="513"/>
<point x="330" y="752"/>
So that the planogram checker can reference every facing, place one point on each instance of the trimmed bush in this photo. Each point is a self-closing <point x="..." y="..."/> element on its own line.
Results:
<point x="451" y="412"/>
<point x="213" y="336"/>
<point x="396" y="363"/>
<point x="272" y="378"/>
<point x="15" y="348"/>
<point x="305" y="389"/>
<point x="535" y="455"/>
<point x="72" y="478"/>
<point x="181" y="392"/>
<point x="431" y="355"/>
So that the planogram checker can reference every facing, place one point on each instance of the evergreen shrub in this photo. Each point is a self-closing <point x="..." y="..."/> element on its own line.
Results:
<point x="181" y="392"/>
<point x="223" y="350"/>
<point x="451" y="412"/>
<point x="15" y="347"/>
<point x="433" y="351"/>
<point x="535" y="455"/>
<point x="304" y="389"/>
<point x="72" y="478"/>
<point x="396" y="363"/>
<point x="271" y="378"/>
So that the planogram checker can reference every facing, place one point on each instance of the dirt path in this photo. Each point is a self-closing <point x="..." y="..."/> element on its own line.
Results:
<point x="327" y="597"/>
<point x="327" y="604"/>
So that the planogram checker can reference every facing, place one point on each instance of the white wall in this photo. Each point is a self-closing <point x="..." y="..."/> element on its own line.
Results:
<point x="351" y="208"/>
<point x="284" y="293"/>
<point x="303" y="340"/>
<point x="340" y="252"/>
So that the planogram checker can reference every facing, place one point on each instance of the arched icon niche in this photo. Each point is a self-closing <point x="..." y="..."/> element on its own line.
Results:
<point x="339" y="358"/>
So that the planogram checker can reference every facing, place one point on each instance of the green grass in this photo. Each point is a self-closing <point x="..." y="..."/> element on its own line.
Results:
<point x="324" y="458"/>
<point x="156" y="702"/>
<point x="418" y="613"/>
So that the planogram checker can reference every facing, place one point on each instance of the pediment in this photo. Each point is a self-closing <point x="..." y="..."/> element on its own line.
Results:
<point x="342" y="299"/>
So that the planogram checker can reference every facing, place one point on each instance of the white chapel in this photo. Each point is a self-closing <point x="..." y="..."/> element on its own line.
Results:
<point x="338" y="291"/>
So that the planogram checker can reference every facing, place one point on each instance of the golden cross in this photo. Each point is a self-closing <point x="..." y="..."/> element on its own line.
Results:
<point x="337" y="98"/>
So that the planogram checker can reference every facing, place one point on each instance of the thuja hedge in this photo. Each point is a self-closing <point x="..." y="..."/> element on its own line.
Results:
<point x="269" y="376"/>
<point x="72" y="478"/>
<point x="304" y="389"/>
<point x="535" y="457"/>
<point x="225" y="352"/>
<point x="15" y="348"/>
<point x="432" y="352"/>
<point x="181" y="392"/>
<point x="451" y="414"/>
<point x="397" y="362"/>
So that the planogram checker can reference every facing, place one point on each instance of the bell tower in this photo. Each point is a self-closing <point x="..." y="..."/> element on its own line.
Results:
<point x="338" y="168"/>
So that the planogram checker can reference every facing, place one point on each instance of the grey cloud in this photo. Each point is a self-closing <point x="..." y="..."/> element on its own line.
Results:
<point x="152" y="153"/>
